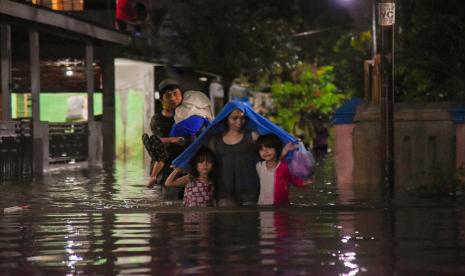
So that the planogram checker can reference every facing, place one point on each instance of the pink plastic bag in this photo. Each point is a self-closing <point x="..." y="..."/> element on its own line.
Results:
<point x="302" y="162"/>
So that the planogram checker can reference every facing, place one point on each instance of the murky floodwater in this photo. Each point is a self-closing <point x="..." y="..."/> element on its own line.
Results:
<point x="106" y="222"/>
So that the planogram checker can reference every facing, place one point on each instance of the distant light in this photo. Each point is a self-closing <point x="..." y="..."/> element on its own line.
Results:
<point x="204" y="79"/>
<point x="69" y="72"/>
<point x="157" y="95"/>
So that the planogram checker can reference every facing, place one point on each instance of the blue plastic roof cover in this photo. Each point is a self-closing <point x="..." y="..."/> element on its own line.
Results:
<point x="458" y="114"/>
<point x="345" y="114"/>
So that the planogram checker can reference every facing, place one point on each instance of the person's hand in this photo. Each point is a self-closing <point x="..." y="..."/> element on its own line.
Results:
<point x="172" y="140"/>
<point x="176" y="169"/>
<point x="179" y="140"/>
<point x="176" y="140"/>
<point x="287" y="148"/>
<point x="308" y="182"/>
<point x="152" y="182"/>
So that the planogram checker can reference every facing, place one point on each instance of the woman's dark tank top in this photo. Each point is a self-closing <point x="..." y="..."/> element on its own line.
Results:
<point x="236" y="173"/>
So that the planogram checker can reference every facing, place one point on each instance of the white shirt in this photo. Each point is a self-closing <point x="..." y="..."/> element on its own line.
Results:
<point x="266" y="183"/>
<point x="216" y="90"/>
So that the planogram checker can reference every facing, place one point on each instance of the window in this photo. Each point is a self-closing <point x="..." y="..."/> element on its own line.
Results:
<point x="61" y="5"/>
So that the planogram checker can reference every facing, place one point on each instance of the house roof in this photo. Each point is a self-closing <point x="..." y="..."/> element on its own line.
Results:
<point x="59" y="20"/>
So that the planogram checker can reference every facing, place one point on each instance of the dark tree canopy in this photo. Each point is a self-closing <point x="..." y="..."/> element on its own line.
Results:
<point x="243" y="37"/>
<point x="258" y="39"/>
<point x="430" y="50"/>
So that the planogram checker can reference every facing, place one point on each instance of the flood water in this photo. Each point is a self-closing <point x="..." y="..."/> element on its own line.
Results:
<point x="105" y="222"/>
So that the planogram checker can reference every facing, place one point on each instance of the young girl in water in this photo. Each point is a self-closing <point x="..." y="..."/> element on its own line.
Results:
<point x="199" y="189"/>
<point x="273" y="171"/>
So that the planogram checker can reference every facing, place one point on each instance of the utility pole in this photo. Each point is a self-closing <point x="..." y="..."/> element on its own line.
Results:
<point x="374" y="46"/>
<point x="386" y="20"/>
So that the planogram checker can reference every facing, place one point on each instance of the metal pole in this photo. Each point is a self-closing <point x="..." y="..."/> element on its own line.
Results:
<point x="386" y="18"/>
<point x="373" y="28"/>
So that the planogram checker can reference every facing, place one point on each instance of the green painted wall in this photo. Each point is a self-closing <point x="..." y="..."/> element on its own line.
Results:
<point x="133" y="147"/>
<point x="54" y="107"/>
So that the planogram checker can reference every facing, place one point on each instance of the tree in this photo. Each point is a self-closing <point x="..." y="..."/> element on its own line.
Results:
<point x="255" y="39"/>
<point x="350" y="51"/>
<point x="430" y="51"/>
<point x="233" y="38"/>
<point x="311" y="95"/>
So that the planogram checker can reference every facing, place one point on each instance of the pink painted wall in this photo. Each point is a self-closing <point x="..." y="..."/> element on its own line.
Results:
<point x="344" y="160"/>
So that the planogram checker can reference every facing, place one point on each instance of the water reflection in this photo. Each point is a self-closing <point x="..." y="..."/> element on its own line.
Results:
<point x="289" y="241"/>
<point x="106" y="222"/>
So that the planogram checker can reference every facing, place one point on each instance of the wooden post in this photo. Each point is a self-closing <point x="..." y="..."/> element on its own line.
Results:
<point x="93" y="128"/>
<point x="5" y="49"/>
<point x="35" y="74"/>
<point x="367" y="79"/>
<point x="39" y="131"/>
<point x="90" y="81"/>
<point x="108" y="120"/>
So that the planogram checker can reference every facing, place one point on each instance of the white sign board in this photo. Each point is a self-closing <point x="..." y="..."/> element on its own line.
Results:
<point x="386" y="14"/>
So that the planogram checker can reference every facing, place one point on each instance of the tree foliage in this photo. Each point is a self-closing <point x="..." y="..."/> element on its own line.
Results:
<point x="234" y="37"/>
<point x="259" y="40"/>
<point x="430" y="61"/>
<point x="350" y="52"/>
<point x="311" y="95"/>
<point x="254" y="38"/>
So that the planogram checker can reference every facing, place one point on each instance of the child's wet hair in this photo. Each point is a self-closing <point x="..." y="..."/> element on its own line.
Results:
<point x="270" y="140"/>
<point x="203" y="154"/>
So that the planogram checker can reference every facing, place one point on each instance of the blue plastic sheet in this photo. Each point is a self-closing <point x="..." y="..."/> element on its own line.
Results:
<point x="254" y="122"/>
<point x="189" y="127"/>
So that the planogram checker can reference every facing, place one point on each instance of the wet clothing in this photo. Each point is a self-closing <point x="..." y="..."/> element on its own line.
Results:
<point x="161" y="126"/>
<point x="242" y="182"/>
<point x="198" y="194"/>
<point x="237" y="177"/>
<point x="274" y="183"/>
<point x="254" y="122"/>
<point x="155" y="148"/>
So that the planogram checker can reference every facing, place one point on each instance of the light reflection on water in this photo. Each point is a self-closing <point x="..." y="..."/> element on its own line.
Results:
<point x="106" y="222"/>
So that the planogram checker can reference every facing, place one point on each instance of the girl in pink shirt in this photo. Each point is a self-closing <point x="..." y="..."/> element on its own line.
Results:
<point x="273" y="171"/>
<point x="199" y="189"/>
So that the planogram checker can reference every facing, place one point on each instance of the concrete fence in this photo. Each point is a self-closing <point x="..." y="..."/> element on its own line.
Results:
<point x="425" y="134"/>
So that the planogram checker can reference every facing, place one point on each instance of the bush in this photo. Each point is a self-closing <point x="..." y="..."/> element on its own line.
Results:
<point x="437" y="182"/>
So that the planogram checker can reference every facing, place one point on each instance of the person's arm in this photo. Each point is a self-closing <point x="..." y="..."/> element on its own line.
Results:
<point x="172" y="140"/>
<point x="287" y="148"/>
<point x="154" y="121"/>
<point x="308" y="181"/>
<point x="157" y="167"/>
<point x="299" y="182"/>
<point x="255" y="136"/>
<point x="172" y="181"/>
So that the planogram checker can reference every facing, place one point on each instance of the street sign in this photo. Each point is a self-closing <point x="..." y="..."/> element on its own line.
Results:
<point x="386" y="14"/>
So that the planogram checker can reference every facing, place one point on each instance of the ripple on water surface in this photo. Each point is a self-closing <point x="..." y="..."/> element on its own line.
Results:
<point x="106" y="222"/>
